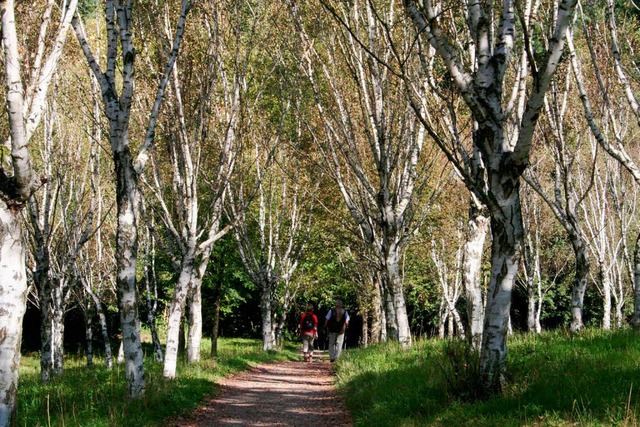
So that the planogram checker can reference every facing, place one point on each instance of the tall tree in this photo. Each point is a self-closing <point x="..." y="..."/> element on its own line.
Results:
<point x="61" y="222"/>
<point x="608" y="130"/>
<point x="450" y="279"/>
<point x="564" y="197"/>
<point x="24" y="112"/>
<point x="272" y="236"/>
<point x="504" y="125"/>
<point x="202" y="144"/>
<point x="120" y="57"/>
<point x="370" y="140"/>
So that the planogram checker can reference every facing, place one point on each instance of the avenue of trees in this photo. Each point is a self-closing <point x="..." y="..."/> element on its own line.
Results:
<point x="197" y="167"/>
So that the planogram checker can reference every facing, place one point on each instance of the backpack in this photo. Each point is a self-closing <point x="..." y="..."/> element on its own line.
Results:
<point x="307" y="322"/>
<point x="334" y="325"/>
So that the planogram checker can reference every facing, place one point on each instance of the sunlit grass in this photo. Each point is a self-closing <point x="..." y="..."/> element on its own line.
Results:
<point x="96" y="397"/>
<point x="591" y="379"/>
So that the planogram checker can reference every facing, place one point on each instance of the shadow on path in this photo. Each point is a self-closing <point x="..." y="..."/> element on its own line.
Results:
<point x="280" y="394"/>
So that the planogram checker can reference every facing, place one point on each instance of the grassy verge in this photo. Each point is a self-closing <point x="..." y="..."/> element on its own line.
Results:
<point x="592" y="379"/>
<point x="96" y="397"/>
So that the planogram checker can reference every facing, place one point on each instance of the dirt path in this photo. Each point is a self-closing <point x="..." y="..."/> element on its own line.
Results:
<point x="280" y="394"/>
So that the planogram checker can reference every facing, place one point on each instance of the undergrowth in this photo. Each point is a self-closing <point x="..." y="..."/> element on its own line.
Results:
<point x="96" y="397"/>
<point x="553" y="379"/>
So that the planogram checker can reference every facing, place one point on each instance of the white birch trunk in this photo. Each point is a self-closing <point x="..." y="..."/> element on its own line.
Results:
<point x="195" y="321"/>
<point x="120" y="357"/>
<point x="605" y="284"/>
<point x="442" y="318"/>
<point x="46" y="337"/>
<point x="505" y="253"/>
<point x="390" y="318"/>
<point x="396" y="291"/>
<point x="266" y="311"/>
<point x="636" y="284"/>
<point x="476" y="232"/>
<point x="175" y="316"/>
<point x="128" y="200"/>
<point x="13" y="284"/>
<point x="118" y="110"/>
<point x="88" y="333"/>
<point x="504" y="141"/>
<point x="377" y="318"/>
<point x="15" y="191"/>
<point x="151" y="287"/>
<point x="57" y="344"/>
<point x="104" y="331"/>
<point x="372" y="154"/>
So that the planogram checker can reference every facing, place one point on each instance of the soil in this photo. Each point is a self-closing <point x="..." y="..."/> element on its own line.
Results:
<point x="276" y="394"/>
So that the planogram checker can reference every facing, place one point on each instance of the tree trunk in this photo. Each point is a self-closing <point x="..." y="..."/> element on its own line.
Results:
<point x="476" y="232"/>
<point x="377" y="315"/>
<point x="13" y="279"/>
<point x="636" y="284"/>
<point x="364" y="340"/>
<point x="216" y="322"/>
<point x="580" y="284"/>
<point x="88" y="333"/>
<point x="108" y="356"/>
<point x="531" y="305"/>
<point x="195" y="321"/>
<point x="506" y="245"/>
<point x="58" y="334"/>
<point x="52" y="336"/>
<point x="605" y="283"/>
<point x="175" y="316"/>
<point x="121" y="352"/>
<point x="442" y="318"/>
<point x="391" y="329"/>
<point x="395" y="288"/>
<point x="157" y="345"/>
<point x="46" y="337"/>
<point x="128" y="204"/>
<point x="151" y="285"/>
<point x="266" y="308"/>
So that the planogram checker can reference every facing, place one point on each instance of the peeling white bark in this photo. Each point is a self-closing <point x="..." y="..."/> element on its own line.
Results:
<point x="503" y="137"/>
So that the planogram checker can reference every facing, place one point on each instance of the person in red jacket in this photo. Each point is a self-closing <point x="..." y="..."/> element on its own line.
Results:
<point x="309" y="332"/>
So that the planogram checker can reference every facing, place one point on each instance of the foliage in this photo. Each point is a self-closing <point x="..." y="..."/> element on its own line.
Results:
<point x="88" y="8"/>
<point x="99" y="401"/>
<point x="555" y="379"/>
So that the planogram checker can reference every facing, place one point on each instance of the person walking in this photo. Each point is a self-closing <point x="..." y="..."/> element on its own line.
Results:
<point x="336" y="323"/>
<point x="309" y="332"/>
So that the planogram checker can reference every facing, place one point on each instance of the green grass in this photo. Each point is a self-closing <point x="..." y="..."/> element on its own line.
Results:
<point x="592" y="379"/>
<point x="96" y="397"/>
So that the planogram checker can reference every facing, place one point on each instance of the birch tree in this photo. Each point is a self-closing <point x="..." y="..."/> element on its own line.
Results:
<point x="272" y="236"/>
<point x="505" y="124"/>
<point x="369" y="293"/>
<point x="25" y="104"/>
<point x="371" y="143"/>
<point x="203" y="148"/>
<point x="606" y="218"/>
<point x="614" y="141"/>
<point x="61" y="222"/>
<point x="117" y="85"/>
<point x="565" y="196"/>
<point x="532" y="270"/>
<point x="96" y="260"/>
<point x="450" y="279"/>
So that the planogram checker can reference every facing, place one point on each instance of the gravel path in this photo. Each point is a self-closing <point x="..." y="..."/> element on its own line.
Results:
<point x="278" y="394"/>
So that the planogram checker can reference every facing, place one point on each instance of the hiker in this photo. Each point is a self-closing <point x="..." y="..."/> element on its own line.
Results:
<point x="309" y="332"/>
<point x="336" y="322"/>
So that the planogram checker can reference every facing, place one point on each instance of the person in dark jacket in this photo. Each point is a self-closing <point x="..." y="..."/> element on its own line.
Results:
<point x="336" y="323"/>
